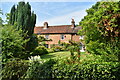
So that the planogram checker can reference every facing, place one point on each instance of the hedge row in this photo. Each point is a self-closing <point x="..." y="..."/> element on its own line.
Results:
<point x="86" y="70"/>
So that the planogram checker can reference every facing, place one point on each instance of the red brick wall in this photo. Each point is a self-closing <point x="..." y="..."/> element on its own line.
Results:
<point x="76" y="38"/>
<point x="57" y="37"/>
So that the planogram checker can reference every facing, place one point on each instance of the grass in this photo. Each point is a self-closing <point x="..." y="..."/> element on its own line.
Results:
<point x="62" y="54"/>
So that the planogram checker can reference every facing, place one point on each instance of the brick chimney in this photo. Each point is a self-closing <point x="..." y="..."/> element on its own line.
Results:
<point x="73" y="23"/>
<point x="45" y="25"/>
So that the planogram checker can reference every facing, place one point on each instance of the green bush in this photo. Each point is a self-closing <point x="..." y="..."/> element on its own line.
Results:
<point x="95" y="69"/>
<point x="91" y="68"/>
<point x="12" y="42"/>
<point x="14" y="70"/>
<point x="58" y="48"/>
<point x="40" y="50"/>
<point x="39" y="69"/>
<point x="100" y="37"/>
<point x="50" y="50"/>
<point x="65" y="45"/>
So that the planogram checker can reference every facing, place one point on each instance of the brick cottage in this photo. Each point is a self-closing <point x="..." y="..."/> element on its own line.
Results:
<point x="62" y="33"/>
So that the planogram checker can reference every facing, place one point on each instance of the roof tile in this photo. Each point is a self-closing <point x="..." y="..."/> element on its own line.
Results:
<point x="56" y="29"/>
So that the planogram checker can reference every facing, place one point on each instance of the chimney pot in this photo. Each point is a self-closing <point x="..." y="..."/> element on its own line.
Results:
<point x="73" y="23"/>
<point x="45" y="25"/>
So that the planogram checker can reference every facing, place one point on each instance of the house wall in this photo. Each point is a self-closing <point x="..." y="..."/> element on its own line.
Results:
<point x="76" y="38"/>
<point x="57" y="37"/>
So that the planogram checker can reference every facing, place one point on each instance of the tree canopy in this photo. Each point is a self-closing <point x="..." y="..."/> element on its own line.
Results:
<point x="101" y="28"/>
<point x="25" y="19"/>
<point x="12" y="42"/>
<point x="23" y="16"/>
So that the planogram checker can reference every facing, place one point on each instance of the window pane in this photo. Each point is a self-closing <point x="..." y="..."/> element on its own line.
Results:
<point x="62" y="37"/>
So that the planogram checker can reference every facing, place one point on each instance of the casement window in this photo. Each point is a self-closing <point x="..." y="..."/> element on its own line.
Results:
<point x="62" y="37"/>
<point x="47" y="36"/>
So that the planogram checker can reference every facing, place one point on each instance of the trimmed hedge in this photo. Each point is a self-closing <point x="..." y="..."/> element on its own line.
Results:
<point x="91" y="69"/>
<point x="87" y="71"/>
<point x="40" y="50"/>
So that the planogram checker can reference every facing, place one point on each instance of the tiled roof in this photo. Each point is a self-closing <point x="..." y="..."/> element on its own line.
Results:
<point x="56" y="29"/>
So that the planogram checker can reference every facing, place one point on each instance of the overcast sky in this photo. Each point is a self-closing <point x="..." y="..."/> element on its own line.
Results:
<point x="55" y="12"/>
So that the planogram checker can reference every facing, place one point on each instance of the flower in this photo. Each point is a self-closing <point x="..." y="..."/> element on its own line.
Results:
<point x="35" y="58"/>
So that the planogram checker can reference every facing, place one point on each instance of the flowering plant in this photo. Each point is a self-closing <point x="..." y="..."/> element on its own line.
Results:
<point x="35" y="59"/>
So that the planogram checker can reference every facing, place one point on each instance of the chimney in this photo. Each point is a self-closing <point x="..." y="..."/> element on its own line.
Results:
<point x="45" y="25"/>
<point x="73" y="23"/>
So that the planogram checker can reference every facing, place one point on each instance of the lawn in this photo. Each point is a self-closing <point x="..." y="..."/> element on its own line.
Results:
<point x="62" y="54"/>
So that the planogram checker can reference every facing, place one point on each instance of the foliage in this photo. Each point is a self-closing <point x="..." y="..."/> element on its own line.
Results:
<point x="74" y="47"/>
<point x="101" y="28"/>
<point x="1" y="21"/>
<point x="40" y="50"/>
<point x="12" y="43"/>
<point x="57" y="48"/>
<point x="33" y="43"/>
<point x="50" y="50"/>
<point x="38" y="70"/>
<point x="14" y="70"/>
<point x="25" y="20"/>
<point x="91" y="68"/>
<point x="41" y="39"/>
<point x="23" y="16"/>
<point x="65" y="45"/>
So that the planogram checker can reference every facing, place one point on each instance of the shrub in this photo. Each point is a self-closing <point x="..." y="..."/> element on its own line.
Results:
<point x="39" y="69"/>
<point x="33" y="71"/>
<point x="50" y="50"/>
<point x="93" y="68"/>
<point x="12" y="41"/>
<point x="58" y="48"/>
<point x="40" y="50"/>
<point x="14" y="70"/>
<point x="65" y="45"/>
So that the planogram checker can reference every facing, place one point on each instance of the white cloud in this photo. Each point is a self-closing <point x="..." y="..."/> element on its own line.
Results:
<point x="65" y="19"/>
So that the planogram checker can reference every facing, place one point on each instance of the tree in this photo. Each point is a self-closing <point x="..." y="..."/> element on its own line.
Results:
<point x="101" y="28"/>
<point x="23" y="16"/>
<point x="12" y="43"/>
<point x="1" y="21"/>
<point x="25" y="20"/>
<point x="12" y="15"/>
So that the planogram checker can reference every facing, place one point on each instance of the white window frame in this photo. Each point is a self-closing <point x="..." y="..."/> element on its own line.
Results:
<point x="62" y="37"/>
